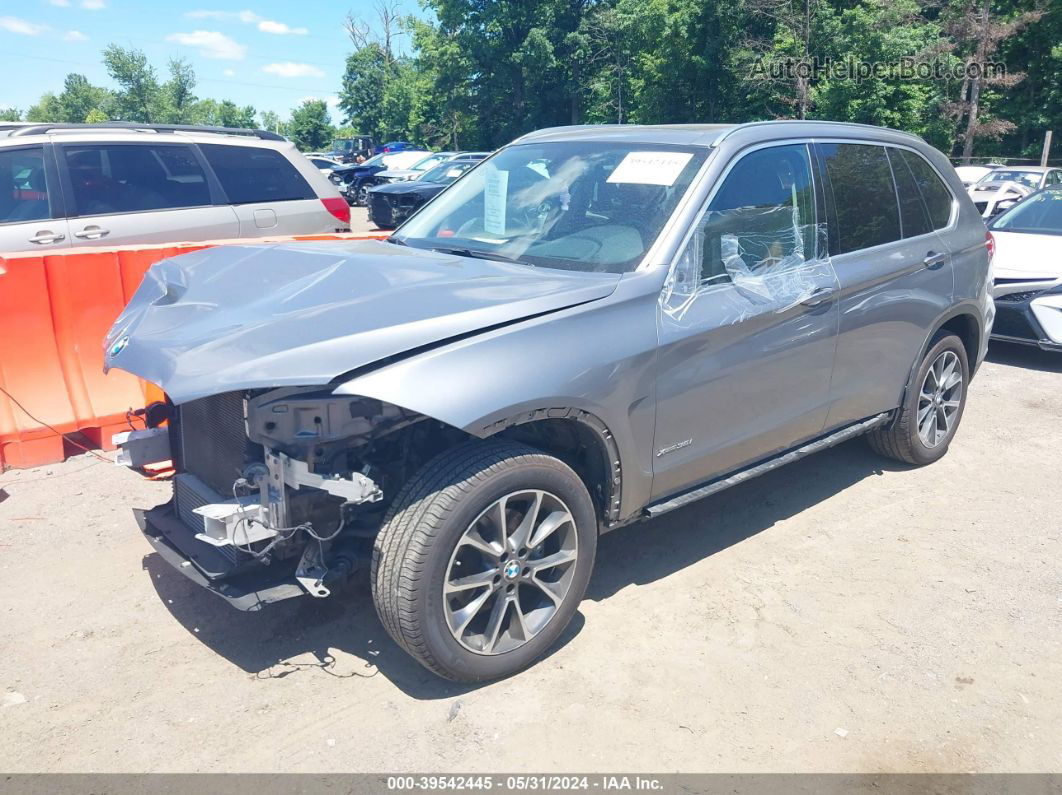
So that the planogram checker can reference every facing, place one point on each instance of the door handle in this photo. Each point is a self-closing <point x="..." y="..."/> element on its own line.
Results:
<point x="934" y="260"/>
<point x="46" y="236"/>
<point x="92" y="232"/>
<point x="819" y="296"/>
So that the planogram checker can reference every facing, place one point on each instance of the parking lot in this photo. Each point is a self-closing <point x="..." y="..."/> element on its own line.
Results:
<point x="845" y="614"/>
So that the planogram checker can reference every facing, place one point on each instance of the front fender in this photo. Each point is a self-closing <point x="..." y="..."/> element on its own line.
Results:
<point x="596" y="359"/>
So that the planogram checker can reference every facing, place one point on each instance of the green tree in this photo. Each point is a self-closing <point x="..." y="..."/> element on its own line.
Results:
<point x="229" y="114"/>
<point x="876" y="31"/>
<point x="47" y="109"/>
<point x="179" y="103"/>
<point x="271" y="121"/>
<point x="10" y="114"/>
<point x="139" y="96"/>
<point x="361" y="95"/>
<point x="79" y="98"/>
<point x="310" y="126"/>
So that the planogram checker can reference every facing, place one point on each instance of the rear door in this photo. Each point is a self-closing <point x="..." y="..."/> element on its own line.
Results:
<point x="269" y="195"/>
<point x="747" y="324"/>
<point x="31" y="212"/>
<point x="122" y="193"/>
<point x="894" y="271"/>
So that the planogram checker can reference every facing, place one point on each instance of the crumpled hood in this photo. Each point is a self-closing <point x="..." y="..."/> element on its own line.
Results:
<point x="255" y="316"/>
<point x="996" y="191"/>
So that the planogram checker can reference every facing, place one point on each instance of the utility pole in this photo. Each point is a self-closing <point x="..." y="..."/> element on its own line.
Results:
<point x="1047" y="149"/>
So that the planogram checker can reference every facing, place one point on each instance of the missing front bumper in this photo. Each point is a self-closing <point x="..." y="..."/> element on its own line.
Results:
<point x="246" y="585"/>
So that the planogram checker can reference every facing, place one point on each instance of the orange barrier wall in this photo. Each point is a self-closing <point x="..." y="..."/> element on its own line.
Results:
<point x="54" y="312"/>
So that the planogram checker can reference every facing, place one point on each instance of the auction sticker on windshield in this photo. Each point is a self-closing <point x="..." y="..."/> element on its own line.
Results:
<point x="494" y="193"/>
<point x="650" y="168"/>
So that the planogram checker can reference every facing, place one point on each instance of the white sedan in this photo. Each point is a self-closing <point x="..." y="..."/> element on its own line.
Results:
<point x="1028" y="272"/>
<point x="1003" y="187"/>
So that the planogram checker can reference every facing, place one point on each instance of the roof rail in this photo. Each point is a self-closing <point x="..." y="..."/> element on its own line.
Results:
<point x="812" y="122"/>
<point x="38" y="129"/>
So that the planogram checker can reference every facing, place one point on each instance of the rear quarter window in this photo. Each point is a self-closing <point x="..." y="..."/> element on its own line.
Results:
<point x="913" y="213"/>
<point x="936" y="194"/>
<point x="249" y="175"/>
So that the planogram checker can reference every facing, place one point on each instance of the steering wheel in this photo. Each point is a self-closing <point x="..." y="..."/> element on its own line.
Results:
<point x="537" y="216"/>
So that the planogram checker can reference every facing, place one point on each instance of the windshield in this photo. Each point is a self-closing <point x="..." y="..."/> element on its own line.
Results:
<point x="1030" y="179"/>
<point x="1040" y="214"/>
<point x="342" y="145"/>
<point x="375" y="160"/>
<point x="427" y="162"/>
<point x="587" y="206"/>
<point x="447" y="172"/>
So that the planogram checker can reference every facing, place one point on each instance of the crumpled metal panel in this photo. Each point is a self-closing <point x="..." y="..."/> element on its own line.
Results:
<point x="257" y="316"/>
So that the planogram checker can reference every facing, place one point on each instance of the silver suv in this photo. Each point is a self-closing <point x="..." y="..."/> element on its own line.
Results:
<point x="64" y="185"/>
<point x="593" y="327"/>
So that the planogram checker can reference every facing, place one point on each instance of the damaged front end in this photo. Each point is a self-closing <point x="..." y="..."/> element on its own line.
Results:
<point x="276" y="493"/>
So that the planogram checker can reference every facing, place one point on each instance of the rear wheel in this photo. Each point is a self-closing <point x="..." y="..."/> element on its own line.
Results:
<point x="483" y="559"/>
<point x="932" y="408"/>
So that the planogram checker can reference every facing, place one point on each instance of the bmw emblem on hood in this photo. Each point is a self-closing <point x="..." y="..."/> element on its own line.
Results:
<point x="118" y="346"/>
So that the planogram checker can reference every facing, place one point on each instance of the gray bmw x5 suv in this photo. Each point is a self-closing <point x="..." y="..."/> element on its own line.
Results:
<point x="594" y="326"/>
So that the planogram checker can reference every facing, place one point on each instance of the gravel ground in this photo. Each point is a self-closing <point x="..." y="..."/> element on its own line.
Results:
<point x="359" y="220"/>
<point x="842" y="614"/>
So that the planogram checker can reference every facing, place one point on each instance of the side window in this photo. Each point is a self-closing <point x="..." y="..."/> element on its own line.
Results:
<point x="936" y="194"/>
<point x="1054" y="178"/>
<point x="131" y="178"/>
<point x="762" y="219"/>
<point x="914" y="217"/>
<point x="864" y="195"/>
<point x="23" y="191"/>
<point x="250" y="174"/>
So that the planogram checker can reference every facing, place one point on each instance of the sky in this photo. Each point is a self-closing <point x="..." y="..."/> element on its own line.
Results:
<point x="266" y="53"/>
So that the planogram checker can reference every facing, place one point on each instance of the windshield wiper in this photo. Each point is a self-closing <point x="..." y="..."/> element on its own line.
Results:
<point x="475" y="253"/>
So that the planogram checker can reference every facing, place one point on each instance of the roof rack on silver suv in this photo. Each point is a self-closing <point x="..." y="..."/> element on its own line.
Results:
<point x="39" y="129"/>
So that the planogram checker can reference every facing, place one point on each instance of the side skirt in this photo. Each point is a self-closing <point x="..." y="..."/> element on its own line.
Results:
<point x="717" y="485"/>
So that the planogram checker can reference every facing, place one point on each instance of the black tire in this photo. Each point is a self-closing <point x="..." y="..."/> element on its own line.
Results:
<point x="422" y="528"/>
<point x="900" y="440"/>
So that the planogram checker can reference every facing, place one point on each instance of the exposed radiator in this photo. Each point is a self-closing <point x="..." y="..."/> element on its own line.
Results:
<point x="213" y="440"/>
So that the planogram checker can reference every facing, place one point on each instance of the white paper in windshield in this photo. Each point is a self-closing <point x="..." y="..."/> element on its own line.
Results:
<point x="495" y="189"/>
<point x="650" y="168"/>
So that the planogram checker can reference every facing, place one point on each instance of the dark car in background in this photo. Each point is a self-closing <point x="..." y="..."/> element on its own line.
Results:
<point x="395" y="146"/>
<point x="392" y="203"/>
<point x="354" y="180"/>
<point x="346" y="150"/>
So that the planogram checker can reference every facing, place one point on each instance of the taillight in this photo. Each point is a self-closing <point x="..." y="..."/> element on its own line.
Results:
<point x="990" y="244"/>
<point x="339" y="208"/>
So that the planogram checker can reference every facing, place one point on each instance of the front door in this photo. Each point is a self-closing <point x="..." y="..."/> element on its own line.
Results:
<point x="747" y="324"/>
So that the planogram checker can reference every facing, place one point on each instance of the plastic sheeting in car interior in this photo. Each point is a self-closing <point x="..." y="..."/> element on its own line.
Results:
<point x="749" y="261"/>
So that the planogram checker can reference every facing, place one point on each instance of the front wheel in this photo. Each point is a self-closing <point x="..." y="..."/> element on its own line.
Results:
<point x="483" y="559"/>
<point x="932" y="407"/>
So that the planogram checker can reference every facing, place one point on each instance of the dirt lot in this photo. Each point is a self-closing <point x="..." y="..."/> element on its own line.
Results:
<point x="359" y="220"/>
<point x="843" y="614"/>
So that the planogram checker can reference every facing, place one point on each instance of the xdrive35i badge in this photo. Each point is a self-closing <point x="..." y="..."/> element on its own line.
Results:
<point x="673" y="447"/>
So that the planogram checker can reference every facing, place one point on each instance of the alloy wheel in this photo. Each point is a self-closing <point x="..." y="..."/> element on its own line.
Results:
<point x="939" y="399"/>
<point x="510" y="572"/>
